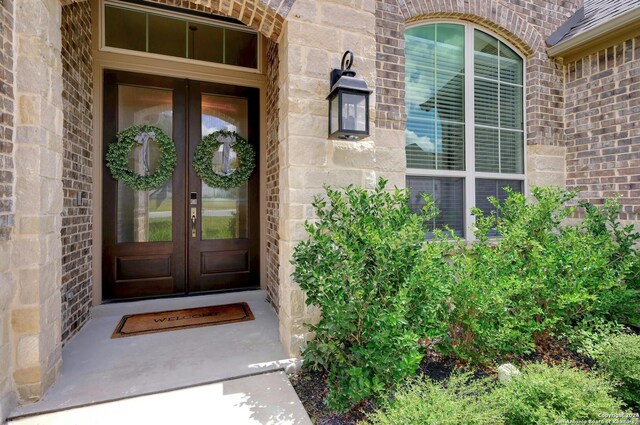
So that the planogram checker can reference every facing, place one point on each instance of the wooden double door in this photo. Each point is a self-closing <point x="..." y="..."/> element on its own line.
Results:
<point x="183" y="237"/>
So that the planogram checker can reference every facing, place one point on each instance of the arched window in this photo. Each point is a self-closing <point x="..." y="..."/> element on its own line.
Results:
<point x="465" y="120"/>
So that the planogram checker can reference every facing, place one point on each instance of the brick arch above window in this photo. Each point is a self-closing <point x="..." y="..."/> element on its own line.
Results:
<point x="527" y="45"/>
<point x="525" y="25"/>
<point x="265" y="16"/>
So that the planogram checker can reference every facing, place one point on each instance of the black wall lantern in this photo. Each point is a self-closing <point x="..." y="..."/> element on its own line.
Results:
<point x="348" y="103"/>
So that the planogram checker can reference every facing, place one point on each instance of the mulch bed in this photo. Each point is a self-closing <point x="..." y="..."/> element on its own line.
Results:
<point x="311" y="387"/>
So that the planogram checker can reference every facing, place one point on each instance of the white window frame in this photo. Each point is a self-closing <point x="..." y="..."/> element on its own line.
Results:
<point x="469" y="175"/>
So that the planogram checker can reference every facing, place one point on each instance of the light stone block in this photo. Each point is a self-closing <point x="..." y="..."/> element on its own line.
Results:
<point x="292" y="212"/>
<point x="50" y="164"/>
<point x="307" y="87"/>
<point x="27" y="252"/>
<point x="347" y="18"/>
<point x="391" y="159"/>
<point x="306" y="151"/>
<point x="28" y="352"/>
<point x="390" y="139"/>
<point x="317" y="65"/>
<point x="302" y="196"/>
<point x="319" y="107"/>
<point x="293" y="177"/>
<point x="290" y="64"/>
<point x="51" y="196"/>
<point x="29" y="110"/>
<point x="26" y="320"/>
<point x="27" y="194"/>
<point x="53" y="307"/>
<point x="29" y="285"/>
<point x="312" y="35"/>
<point x="294" y="230"/>
<point x="349" y="154"/>
<point x="33" y="225"/>
<point x="546" y="179"/>
<point x="308" y="126"/>
<point x="336" y="178"/>
<point x="33" y="76"/>
<point x="304" y="10"/>
<point x="30" y="136"/>
<point x="538" y="163"/>
<point x="27" y="163"/>
<point x="7" y="290"/>
<point x="5" y="256"/>
<point x="29" y="393"/>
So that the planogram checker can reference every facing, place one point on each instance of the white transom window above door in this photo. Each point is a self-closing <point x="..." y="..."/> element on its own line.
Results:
<point x="465" y="135"/>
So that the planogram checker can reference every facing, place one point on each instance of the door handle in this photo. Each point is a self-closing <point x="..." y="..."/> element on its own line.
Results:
<point x="194" y="218"/>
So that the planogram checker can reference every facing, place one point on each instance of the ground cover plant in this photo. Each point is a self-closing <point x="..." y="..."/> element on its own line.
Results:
<point x="458" y="401"/>
<point x="542" y="395"/>
<point x="618" y="358"/>
<point x="387" y="296"/>
<point x="539" y="395"/>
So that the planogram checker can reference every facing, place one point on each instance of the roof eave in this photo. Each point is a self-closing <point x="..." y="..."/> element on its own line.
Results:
<point x="574" y="43"/>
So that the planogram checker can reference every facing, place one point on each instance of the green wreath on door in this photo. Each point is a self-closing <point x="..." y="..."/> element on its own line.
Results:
<point x="119" y="152"/>
<point x="209" y="145"/>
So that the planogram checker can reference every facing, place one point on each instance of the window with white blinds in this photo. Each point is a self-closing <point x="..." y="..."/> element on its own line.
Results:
<point x="465" y="121"/>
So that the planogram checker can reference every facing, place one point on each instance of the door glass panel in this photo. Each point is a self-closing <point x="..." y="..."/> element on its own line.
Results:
<point x="144" y="216"/>
<point x="224" y="212"/>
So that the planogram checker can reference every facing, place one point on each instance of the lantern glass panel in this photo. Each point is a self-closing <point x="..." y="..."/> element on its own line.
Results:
<point x="354" y="111"/>
<point x="334" y="115"/>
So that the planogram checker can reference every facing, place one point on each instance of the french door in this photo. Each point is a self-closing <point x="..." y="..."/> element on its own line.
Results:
<point x="183" y="237"/>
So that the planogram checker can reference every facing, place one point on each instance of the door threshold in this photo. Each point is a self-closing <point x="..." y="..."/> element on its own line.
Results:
<point x="182" y="295"/>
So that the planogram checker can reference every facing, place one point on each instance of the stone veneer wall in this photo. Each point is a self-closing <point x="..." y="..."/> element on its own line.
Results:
<point x="524" y="23"/>
<point x="77" y="167"/>
<point x="272" y="175"/>
<point x="315" y="36"/>
<point x="6" y="120"/>
<point x="30" y="263"/>
<point x="7" y="204"/>
<point x="603" y="125"/>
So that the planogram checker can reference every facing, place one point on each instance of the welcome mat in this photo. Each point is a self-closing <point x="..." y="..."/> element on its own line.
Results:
<point x="147" y="323"/>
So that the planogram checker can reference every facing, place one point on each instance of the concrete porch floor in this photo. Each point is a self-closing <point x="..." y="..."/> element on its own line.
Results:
<point x="97" y="368"/>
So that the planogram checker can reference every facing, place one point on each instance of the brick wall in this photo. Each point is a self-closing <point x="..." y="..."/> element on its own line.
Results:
<point x="6" y="120"/>
<point x="603" y="125"/>
<point x="524" y="23"/>
<point x="272" y="175"/>
<point x="77" y="167"/>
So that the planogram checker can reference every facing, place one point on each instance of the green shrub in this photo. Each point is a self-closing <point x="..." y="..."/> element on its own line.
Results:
<point x="573" y="272"/>
<point x="457" y="402"/>
<point x="499" y="297"/>
<point x="466" y="299"/>
<point x="354" y="267"/>
<point x="544" y="395"/>
<point x="618" y="357"/>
